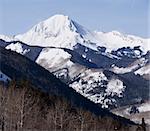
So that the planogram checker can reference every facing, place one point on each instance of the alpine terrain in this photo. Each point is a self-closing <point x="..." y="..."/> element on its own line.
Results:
<point x="111" y="69"/>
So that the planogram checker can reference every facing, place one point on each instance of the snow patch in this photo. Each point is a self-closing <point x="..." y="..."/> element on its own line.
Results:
<point x="144" y="107"/>
<point x="144" y="70"/>
<point x="54" y="58"/>
<point x="83" y="55"/>
<point x="4" y="77"/>
<point x="115" y="87"/>
<point x="18" y="48"/>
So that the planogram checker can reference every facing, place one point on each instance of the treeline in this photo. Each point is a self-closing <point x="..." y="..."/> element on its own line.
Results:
<point x="23" y="108"/>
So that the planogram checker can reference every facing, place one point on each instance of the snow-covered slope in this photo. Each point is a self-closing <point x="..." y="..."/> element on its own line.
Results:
<point x="7" y="38"/>
<point x="144" y="70"/>
<point x="136" y="65"/>
<point x="114" y="40"/>
<point x="54" y="59"/>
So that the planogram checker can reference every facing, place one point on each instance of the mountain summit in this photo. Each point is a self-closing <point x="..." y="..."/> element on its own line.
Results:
<point x="57" y="31"/>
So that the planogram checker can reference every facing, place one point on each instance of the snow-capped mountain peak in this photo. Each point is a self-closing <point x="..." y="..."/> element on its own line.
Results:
<point x="57" y="31"/>
<point x="61" y="31"/>
<point x="55" y="25"/>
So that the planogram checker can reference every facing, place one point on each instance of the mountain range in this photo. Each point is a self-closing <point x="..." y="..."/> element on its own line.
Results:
<point x="111" y="69"/>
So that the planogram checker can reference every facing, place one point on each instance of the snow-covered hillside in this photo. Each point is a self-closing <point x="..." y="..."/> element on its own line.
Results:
<point x="94" y="85"/>
<point x="54" y="59"/>
<point x="114" y="40"/>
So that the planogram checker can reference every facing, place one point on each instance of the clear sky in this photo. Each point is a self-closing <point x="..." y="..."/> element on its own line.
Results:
<point x="126" y="16"/>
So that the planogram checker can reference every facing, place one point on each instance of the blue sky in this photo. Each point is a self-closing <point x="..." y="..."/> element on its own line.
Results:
<point x="126" y="16"/>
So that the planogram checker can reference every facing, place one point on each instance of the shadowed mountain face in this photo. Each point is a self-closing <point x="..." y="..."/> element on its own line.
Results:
<point x="102" y="59"/>
<point x="19" y="67"/>
<point x="83" y="55"/>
